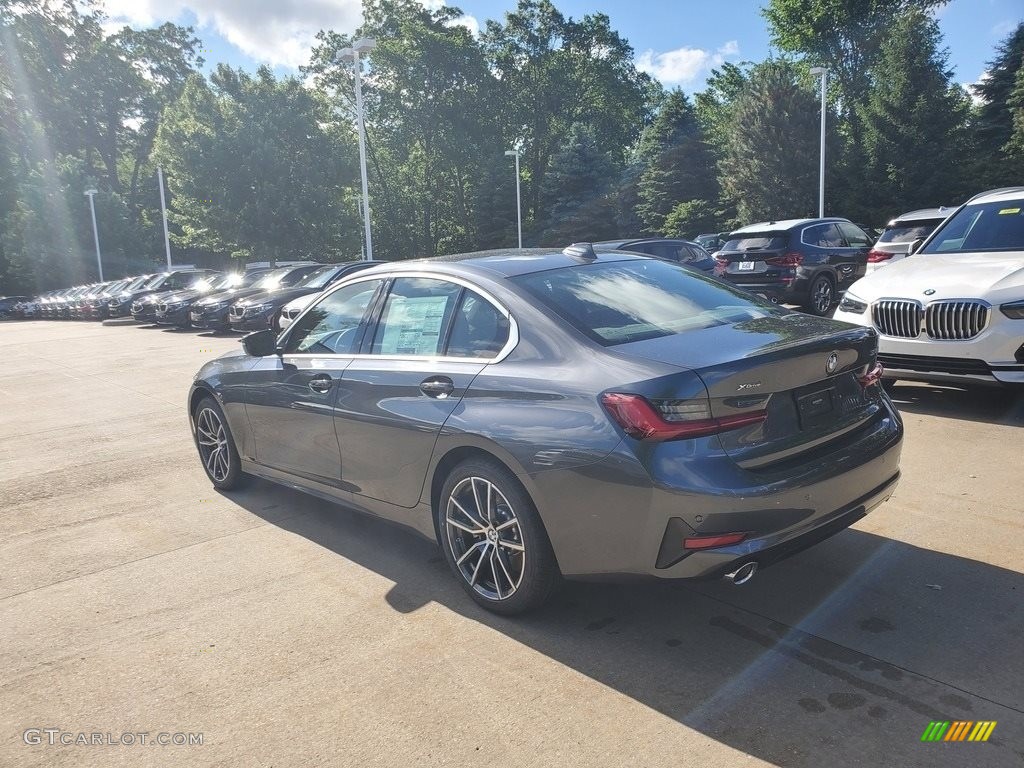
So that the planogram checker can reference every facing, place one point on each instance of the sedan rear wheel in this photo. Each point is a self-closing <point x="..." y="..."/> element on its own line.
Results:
<point x="493" y="539"/>
<point x="216" y="445"/>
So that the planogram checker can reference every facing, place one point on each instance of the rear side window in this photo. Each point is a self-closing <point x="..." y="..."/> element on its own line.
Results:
<point x="855" y="236"/>
<point x="619" y="302"/>
<point x="415" y="318"/>
<point x="478" y="328"/>
<point x="908" y="232"/>
<point x="754" y="242"/>
<point x="823" y="236"/>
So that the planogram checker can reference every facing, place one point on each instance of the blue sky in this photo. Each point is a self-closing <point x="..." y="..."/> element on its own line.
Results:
<point x="678" y="41"/>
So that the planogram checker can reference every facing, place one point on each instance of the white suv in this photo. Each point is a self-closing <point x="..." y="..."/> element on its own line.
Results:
<point x="954" y="310"/>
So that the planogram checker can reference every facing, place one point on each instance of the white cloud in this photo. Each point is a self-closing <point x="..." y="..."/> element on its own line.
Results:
<point x="469" y="22"/>
<point x="970" y="88"/>
<point x="684" y="66"/>
<point x="277" y="32"/>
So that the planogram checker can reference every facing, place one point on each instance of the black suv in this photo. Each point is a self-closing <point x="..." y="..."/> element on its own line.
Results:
<point x="808" y="262"/>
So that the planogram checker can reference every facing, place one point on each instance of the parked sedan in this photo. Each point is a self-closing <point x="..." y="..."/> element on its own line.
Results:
<point x="900" y="233"/>
<point x="672" y="249"/>
<point x="261" y="309"/>
<point x="808" y="262"/>
<point x="953" y="311"/>
<point x="8" y="305"/>
<point x="572" y="413"/>
<point x="143" y="308"/>
<point x="174" y="308"/>
<point x="212" y="312"/>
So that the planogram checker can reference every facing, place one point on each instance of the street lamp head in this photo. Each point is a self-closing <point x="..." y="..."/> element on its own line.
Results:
<point x="511" y="152"/>
<point x="90" y="192"/>
<point x="364" y="45"/>
<point x="818" y="71"/>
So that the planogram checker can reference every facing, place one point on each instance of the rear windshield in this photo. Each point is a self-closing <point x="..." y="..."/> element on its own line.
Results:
<point x="909" y="232"/>
<point x="985" y="227"/>
<point x="619" y="302"/>
<point x="764" y="242"/>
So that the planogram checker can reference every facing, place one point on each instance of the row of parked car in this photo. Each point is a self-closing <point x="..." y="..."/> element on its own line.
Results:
<point x="199" y="298"/>
<point x="806" y="262"/>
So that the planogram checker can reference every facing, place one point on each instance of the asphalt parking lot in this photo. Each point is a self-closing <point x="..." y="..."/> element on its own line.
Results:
<point x="287" y="631"/>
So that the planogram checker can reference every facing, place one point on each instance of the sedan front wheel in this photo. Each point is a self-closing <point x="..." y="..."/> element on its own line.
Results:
<point x="216" y="445"/>
<point x="493" y="538"/>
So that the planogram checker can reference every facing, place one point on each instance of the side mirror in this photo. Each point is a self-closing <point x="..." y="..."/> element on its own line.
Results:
<point x="915" y="246"/>
<point x="260" y="343"/>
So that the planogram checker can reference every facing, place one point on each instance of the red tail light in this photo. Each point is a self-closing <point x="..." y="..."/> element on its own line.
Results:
<point x="792" y="259"/>
<point x="873" y="376"/>
<point x="721" y="262"/>
<point x="716" y="540"/>
<point x="876" y="256"/>
<point x="640" y="419"/>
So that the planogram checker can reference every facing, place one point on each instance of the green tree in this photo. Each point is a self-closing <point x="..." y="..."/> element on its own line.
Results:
<point x="678" y="164"/>
<point x="257" y="169"/>
<point x="556" y="73"/>
<point x="914" y="122"/>
<point x="770" y="166"/>
<point x="994" y="121"/>
<point x="577" y="192"/>
<point x="691" y="218"/>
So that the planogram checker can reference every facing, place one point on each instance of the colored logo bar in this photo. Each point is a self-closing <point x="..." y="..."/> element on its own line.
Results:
<point x="958" y="730"/>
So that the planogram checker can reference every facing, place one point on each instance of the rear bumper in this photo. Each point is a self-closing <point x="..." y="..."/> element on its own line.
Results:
<point x="610" y="519"/>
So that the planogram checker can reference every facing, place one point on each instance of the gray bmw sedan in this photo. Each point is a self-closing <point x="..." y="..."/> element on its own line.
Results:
<point x="545" y="414"/>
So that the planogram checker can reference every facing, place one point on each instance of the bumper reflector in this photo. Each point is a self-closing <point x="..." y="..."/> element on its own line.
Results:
<point x="716" y="540"/>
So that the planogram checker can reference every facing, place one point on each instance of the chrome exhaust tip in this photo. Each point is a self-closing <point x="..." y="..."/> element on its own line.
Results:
<point x="743" y="574"/>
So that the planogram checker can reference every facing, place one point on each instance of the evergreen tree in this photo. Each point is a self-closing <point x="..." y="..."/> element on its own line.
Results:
<point x="770" y="165"/>
<point x="914" y="122"/>
<point x="994" y="121"/>
<point x="576" y="192"/>
<point x="679" y="166"/>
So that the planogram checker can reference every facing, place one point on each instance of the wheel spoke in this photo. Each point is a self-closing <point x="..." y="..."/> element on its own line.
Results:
<point x="211" y="460"/>
<point x="469" y="517"/>
<point x="489" y="515"/>
<point x="476" y="500"/>
<point x="463" y="527"/>
<point x="479" y="562"/>
<point x="494" y="573"/>
<point x="513" y="545"/>
<point x="505" y="568"/>
<point x="506" y="524"/>
<point x="465" y="555"/>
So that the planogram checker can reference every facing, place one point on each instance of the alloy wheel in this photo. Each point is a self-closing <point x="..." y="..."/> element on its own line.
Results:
<point x="213" y="444"/>
<point x="485" y="538"/>
<point x="822" y="296"/>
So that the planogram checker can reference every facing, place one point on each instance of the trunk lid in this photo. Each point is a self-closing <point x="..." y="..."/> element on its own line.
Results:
<point x="745" y="259"/>
<point x="782" y="364"/>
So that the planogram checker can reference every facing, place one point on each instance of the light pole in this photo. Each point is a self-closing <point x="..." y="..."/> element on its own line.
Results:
<point x="821" y="171"/>
<point x="364" y="45"/>
<point x="519" y="203"/>
<point x="163" y="210"/>
<point x="95" y="232"/>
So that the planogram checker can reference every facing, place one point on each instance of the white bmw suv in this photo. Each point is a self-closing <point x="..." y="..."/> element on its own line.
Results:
<point x="954" y="310"/>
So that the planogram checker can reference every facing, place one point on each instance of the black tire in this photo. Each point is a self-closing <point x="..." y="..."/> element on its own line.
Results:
<point x="514" y="557"/>
<point x="821" y="296"/>
<point x="226" y="472"/>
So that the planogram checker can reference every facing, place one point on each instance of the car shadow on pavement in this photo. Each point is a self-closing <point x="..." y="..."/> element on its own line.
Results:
<point x="840" y="656"/>
<point x="989" y="405"/>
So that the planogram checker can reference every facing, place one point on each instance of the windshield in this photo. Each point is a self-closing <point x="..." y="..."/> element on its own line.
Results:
<point x="620" y="302"/>
<point x="908" y="232"/>
<point x="984" y="228"/>
<point x="272" y="279"/>
<point x="755" y="242"/>
<point x="319" y="278"/>
<point x="155" y="281"/>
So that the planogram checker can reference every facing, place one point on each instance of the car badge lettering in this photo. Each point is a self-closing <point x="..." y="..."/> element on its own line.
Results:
<point x="832" y="363"/>
<point x="748" y="385"/>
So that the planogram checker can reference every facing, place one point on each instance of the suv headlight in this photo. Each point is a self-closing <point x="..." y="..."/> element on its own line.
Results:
<point x="1014" y="310"/>
<point x="852" y="304"/>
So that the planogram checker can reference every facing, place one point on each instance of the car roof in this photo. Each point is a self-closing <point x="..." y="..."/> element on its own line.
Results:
<point x="1005" y="194"/>
<point x="784" y="226"/>
<point x="924" y="213"/>
<point x="504" y="262"/>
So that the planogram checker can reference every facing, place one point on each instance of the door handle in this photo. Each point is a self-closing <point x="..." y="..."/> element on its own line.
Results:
<point x="321" y="383"/>
<point x="437" y="386"/>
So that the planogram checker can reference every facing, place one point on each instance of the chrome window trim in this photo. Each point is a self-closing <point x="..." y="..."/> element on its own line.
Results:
<point x="505" y="351"/>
